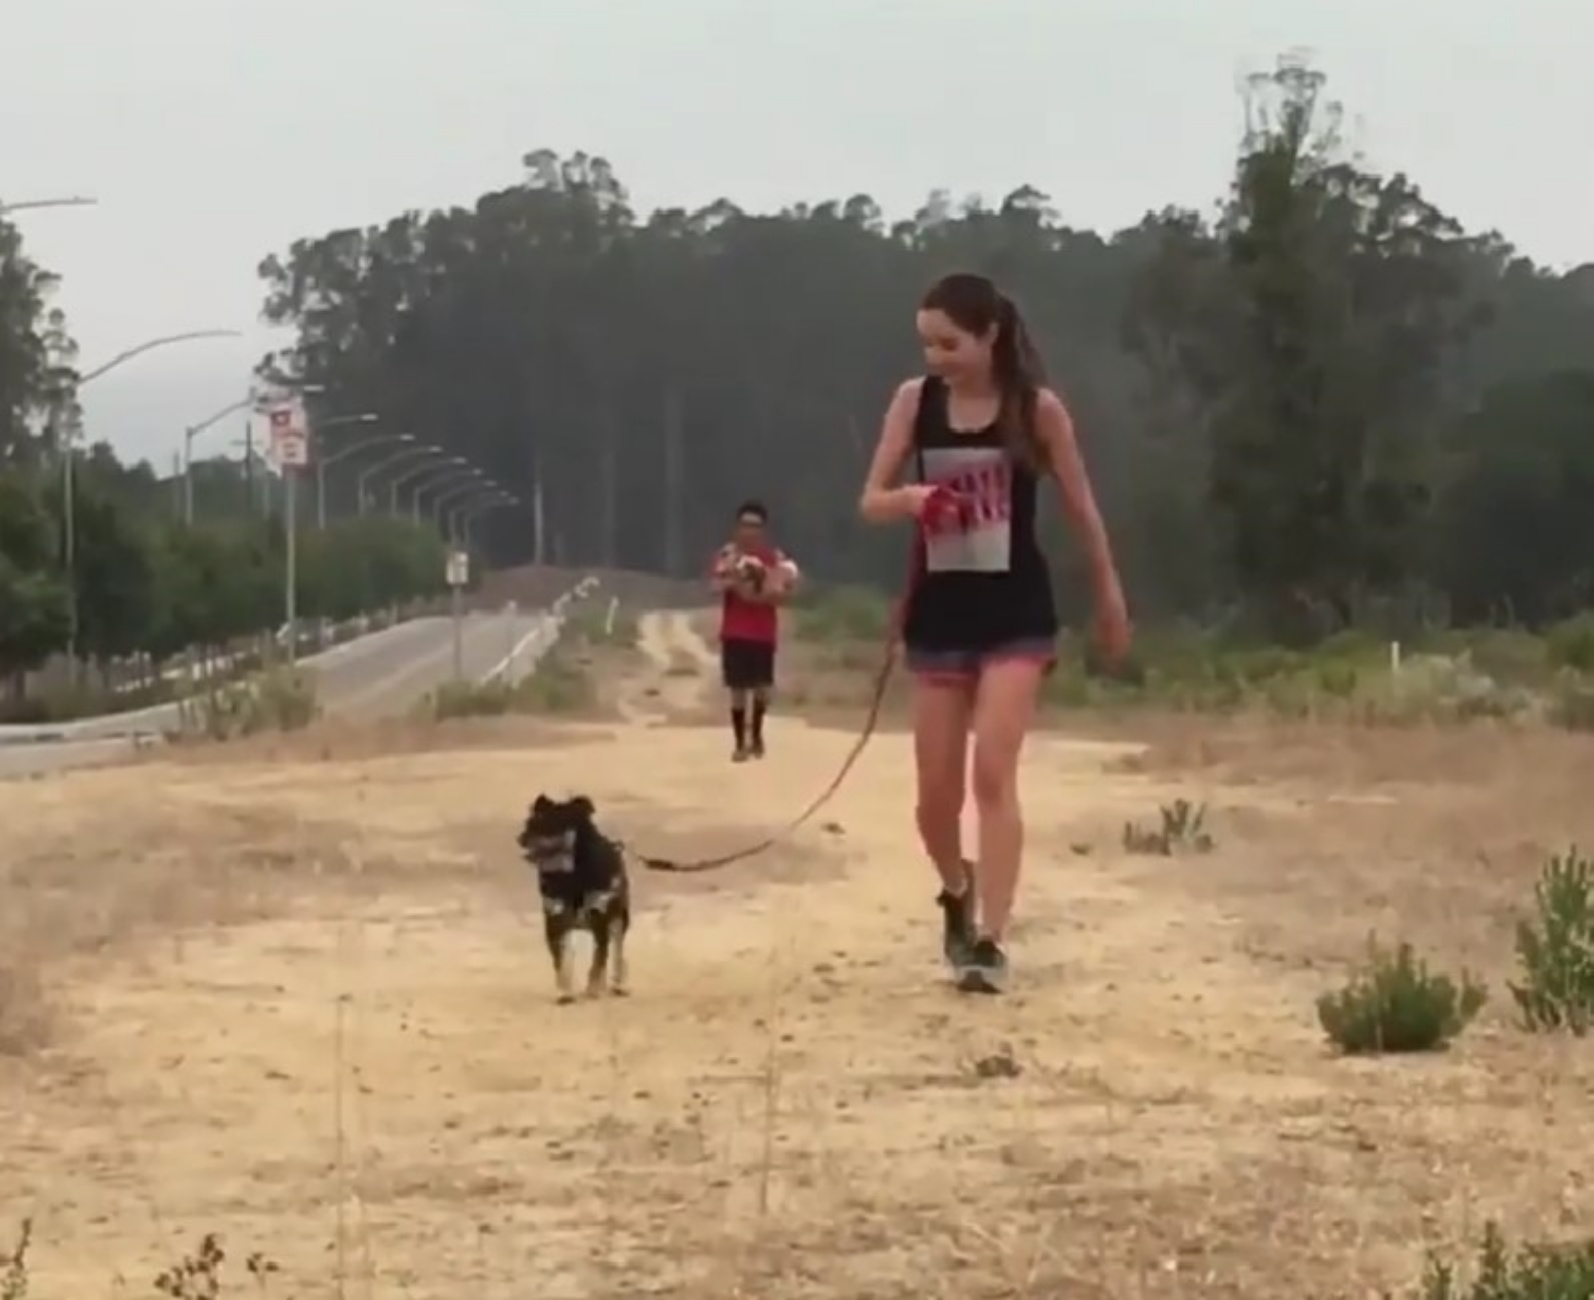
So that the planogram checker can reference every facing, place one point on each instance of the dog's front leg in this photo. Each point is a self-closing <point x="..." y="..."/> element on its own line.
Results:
<point x="600" y="953"/>
<point x="619" y="930"/>
<point x="556" y="922"/>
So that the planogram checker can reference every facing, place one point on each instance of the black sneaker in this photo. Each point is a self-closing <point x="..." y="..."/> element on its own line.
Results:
<point x="957" y="923"/>
<point x="986" y="970"/>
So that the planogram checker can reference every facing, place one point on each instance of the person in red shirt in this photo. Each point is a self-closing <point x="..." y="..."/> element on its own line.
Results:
<point x="754" y="578"/>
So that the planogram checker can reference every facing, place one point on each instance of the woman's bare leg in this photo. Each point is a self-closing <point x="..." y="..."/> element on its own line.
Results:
<point x="1004" y="708"/>
<point x="942" y="708"/>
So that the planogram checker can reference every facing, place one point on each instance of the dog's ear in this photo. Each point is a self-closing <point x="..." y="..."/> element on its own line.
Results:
<point x="541" y="804"/>
<point x="583" y="807"/>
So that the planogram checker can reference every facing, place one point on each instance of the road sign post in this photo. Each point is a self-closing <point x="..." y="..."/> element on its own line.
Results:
<point x="290" y="448"/>
<point x="458" y="574"/>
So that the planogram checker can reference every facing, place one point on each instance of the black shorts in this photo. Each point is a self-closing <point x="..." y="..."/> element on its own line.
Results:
<point x="747" y="665"/>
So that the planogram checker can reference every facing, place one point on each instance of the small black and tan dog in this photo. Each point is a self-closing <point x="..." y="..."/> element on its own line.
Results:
<point x="582" y="878"/>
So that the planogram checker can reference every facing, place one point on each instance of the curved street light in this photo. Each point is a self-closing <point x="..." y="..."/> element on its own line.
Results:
<point x="23" y="205"/>
<point x="323" y="463"/>
<point x="463" y="474"/>
<point x="452" y="466"/>
<point x="425" y="449"/>
<point x="189" y="434"/>
<point x="164" y="342"/>
<point x="463" y="516"/>
<point x="454" y="493"/>
<point x="68" y="494"/>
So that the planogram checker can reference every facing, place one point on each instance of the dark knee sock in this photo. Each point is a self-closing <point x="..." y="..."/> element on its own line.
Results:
<point x="739" y="724"/>
<point x="760" y="707"/>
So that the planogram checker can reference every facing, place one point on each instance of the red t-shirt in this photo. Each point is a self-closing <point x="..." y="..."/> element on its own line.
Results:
<point x="742" y="619"/>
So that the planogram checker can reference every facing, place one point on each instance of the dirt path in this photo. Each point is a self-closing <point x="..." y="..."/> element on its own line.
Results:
<point x="681" y="669"/>
<point x="791" y="1106"/>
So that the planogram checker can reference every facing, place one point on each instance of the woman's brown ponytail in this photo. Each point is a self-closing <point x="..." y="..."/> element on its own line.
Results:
<point x="1019" y="372"/>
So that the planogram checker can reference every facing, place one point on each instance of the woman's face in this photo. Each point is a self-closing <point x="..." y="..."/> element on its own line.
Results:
<point x="952" y="353"/>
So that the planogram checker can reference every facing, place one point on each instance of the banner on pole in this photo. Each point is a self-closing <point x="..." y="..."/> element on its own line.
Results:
<point x="289" y="435"/>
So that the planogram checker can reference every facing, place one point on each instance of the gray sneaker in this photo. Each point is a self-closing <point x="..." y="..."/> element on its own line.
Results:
<point x="957" y="923"/>
<point x="986" y="970"/>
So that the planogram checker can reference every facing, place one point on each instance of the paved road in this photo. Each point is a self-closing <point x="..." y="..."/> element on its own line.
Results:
<point x="387" y="681"/>
<point x="375" y="677"/>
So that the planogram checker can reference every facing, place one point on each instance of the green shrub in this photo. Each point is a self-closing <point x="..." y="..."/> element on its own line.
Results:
<point x="1572" y="703"/>
<point x="1534" y="1272"/>
<point x="1556" y="949"/>
<point x="842" y="614"/>
<point x="279" y="699"/>
<point x="1570" y="644"/>
<point x="1395" y="1004"/>
<point x="556" y="686"/>
<point x="469" y="700"/>
<point x="588" y="623"/>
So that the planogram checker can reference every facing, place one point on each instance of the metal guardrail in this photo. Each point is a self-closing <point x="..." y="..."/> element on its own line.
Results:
<point x="527" y="652"/>
<point x="155" y="719"/>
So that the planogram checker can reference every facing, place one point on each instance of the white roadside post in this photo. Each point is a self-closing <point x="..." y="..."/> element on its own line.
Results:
<point x="458" y="574"/>
<point x="290" y="448"/>
<point x="510" y="611"/>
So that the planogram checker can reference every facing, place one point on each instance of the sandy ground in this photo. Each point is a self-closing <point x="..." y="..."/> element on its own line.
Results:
<point x="299" y="998"/>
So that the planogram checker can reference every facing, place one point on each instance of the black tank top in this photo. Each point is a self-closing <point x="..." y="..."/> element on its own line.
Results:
<point x="987" y="584"/>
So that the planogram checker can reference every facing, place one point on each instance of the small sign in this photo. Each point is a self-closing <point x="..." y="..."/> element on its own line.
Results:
<point x="289" y="438"/>
<point x="458" y="568"/>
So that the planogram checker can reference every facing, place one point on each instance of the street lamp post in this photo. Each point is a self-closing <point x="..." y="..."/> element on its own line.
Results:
<point x="189" y="434"/>
<point x="366" y="475"/>
<point x="323" y="463"/>
<point x="447" y="478"/>
<point x="454" y="493"/>
<point x="462" y="516"/>
<point x="68" y="492"/>
<point x="453" y="465"/>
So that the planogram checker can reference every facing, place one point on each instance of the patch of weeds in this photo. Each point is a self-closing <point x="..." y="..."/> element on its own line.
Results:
<point x="1556" y="948"/>
<point x="1396" y="1004"/>
<point x="14" y="1274"/>
<point x="1570" y="644"/>
<point x="199" y="1276"/>
<point x="841" y="614"/>
<point x="1532" y="1272"/>
<point x="279" y="699"/>
<point x="1572" y="702"/>
<point x="557" y="686"/>
<point x="1182" y="829"/>
<point x="592" y="624"/>
<point x="451" y="700"/>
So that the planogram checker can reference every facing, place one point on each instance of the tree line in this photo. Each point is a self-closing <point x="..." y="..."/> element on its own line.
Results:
<point x="142" y="583"/>
<point x="1321" y="400"/>
<point x="99" y="561"/>
<point x="101" y="567"/>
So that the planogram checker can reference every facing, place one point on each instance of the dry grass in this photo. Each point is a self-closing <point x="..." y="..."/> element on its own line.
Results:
<point x="298" y="997"/>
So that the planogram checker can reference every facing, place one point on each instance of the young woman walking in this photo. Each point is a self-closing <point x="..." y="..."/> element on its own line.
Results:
<point x="979" y="431"/>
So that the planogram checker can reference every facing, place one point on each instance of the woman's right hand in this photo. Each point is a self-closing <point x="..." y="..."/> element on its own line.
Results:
<point x="913" y="497"/>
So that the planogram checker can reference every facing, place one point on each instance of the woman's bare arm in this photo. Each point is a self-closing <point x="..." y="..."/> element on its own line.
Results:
<point x="1055" y="429"/>
<point x="881" y="502"/>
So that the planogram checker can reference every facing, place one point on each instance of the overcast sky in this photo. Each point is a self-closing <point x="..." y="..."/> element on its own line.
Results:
<point x="214" y="132"/>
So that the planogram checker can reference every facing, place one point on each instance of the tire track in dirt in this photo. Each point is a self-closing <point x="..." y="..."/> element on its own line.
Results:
<point x="680" y="670"/>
